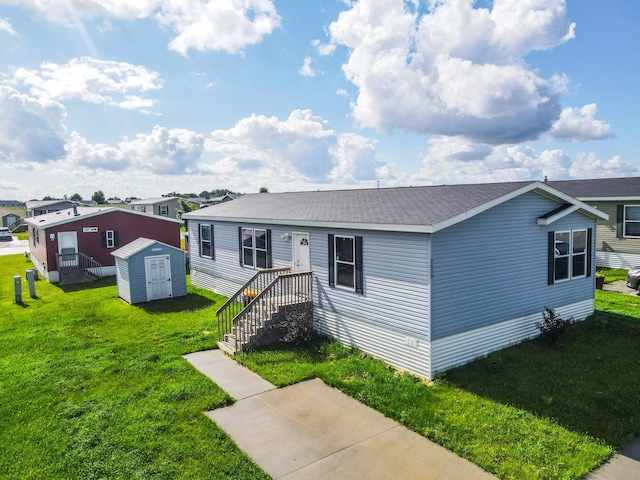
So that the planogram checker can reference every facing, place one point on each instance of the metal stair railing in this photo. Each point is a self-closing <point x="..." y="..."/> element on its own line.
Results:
<point x="78" y="262"/>
<point x="253" y="319"/>
<point x="239" y="300"/>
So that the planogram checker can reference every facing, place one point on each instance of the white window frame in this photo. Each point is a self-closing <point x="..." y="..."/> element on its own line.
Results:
<point x="254" y="249"/>
<point x="337" y="262"/>
<point x="570" y="255"/>
<point x="164" y="210"/>
<point x="625" y="221"/>
<point x="110" y="238"/>
<point x="210" y="241"/>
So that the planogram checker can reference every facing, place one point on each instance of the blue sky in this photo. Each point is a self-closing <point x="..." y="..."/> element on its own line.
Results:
<point x="149" y="97"/>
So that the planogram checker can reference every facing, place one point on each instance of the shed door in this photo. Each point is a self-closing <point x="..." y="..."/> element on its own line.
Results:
<point x="301" y="252"/>
<point x="68" y="249"/>
<point x="158" y="273"/>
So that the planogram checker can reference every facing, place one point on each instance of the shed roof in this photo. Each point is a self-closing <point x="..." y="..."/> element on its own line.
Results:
<point x="72" y="215"/>
<point x="419" y="209"/>
<point x="138" y="245"/>
<point x="32" y="204"/>
<point x="625" y="188"/>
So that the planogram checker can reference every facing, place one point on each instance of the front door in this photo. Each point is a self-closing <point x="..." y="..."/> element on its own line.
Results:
<point x="68" y="249"/>
<point x="158" y="273"/>
<point x="301" y="252"/>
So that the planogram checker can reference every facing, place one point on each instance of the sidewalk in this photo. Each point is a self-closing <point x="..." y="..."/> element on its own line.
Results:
<point x="311" y="431"/>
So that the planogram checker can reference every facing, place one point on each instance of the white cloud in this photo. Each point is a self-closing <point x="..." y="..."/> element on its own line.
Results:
<point x="31" y="129"/>
<point x="302" y="148"/>
<point x="453" y="69"/>
<point x="306" y="70"/>
<point x="162" y="152"/>
<point x="227" y="25"/>
<point x="5" y="26"/>
<point x="587" y="165"/>
<point x="118" y="84"/>
<point x="578" y="125"/>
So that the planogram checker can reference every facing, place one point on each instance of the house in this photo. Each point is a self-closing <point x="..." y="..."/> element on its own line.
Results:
<point x="618" y="238"/>
<point x="10" y="203"/>
<point x="163" y="206"/>
<point x="148" y="270"/>
<point x="424" y="278"/>
<point x="223" y="198"/>
<point x="41" y="207"/>
<point x="82" y="238"/>
<point x="10" y="219"/>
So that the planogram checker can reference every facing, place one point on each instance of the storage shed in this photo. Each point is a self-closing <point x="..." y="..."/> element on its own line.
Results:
<point x="149" y="270"/>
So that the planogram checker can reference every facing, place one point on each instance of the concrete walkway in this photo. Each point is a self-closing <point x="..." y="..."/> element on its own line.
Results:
<point x="624" y="465"/>
<point x="311" y="431"/>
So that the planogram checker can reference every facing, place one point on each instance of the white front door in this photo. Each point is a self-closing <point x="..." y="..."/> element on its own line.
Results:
<point x="158" y="273"/>
<point x="68" y="249"/>
<point x="301" y="252"/>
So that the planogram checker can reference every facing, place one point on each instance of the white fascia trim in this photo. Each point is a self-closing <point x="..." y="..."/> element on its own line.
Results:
<point x="609" y="199"/>
<point x="382" y="227"/>
<point x="101" y="211"/>
<point x="557" y="216"/>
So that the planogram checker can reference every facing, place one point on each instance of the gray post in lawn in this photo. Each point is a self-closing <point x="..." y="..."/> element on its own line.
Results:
<point x="17" y="288"/>
<point x="31" y="280"/>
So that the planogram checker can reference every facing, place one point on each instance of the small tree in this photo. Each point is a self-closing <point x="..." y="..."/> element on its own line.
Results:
<point x="553" y="327"/>
<point x="76" y="197"/>
<point x="98" y="197"/>
<point x="264" y="190"/>
<point x="184" y="207"/>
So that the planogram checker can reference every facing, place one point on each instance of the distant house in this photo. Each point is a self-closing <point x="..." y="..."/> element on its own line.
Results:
<point x="88" y="203"/>
<point x="63" y="240"/>
<point x="36" y="207"/>
<point x="425" y="278"/>
<point x="223" y="198"/>
<point x="163" y="206"/>
<point x="10" y="203"/>
<point x="618" y="237"/>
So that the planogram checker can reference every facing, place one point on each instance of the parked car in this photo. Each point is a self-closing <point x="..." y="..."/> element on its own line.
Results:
<point x="633" y="278"/>
<point x="5" y="234"/>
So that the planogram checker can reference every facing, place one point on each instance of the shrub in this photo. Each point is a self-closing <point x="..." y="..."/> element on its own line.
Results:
<point x="553" y="327"/>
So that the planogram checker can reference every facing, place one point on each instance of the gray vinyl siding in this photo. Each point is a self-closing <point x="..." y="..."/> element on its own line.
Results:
<point x="138" y="276"/>
<point x="395" y="272"/>
<point x="606" y="239"/>
<point x="493" y="267"/>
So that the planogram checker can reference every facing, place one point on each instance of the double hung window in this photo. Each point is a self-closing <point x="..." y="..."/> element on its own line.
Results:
<point x="345" y="262"/>
<point x="631" y="221"/>
<point x="255" y="247"/>
<point x="164" y="210"/>
<point x="570" y="256"/>
<point x="206" y="241"/>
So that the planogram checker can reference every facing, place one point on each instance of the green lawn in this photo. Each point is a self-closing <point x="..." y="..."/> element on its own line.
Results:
<point x="92" y="387"/>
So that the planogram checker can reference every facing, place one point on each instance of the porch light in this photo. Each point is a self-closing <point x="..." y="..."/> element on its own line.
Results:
<point x="285" y="236"/>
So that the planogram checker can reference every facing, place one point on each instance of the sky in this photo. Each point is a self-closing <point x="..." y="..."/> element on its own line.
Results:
<point x="150" y="97"/>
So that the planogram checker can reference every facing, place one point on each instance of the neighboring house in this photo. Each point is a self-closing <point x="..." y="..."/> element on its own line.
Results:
<point x="163" y="206"/>
<point x="92" y="233"/>
<point x="224" y="198"/>
<point x="199" y="202"/>
<point x="36" y="207"/>
<point x="10" y="203"/>
<point x="10" y="219"/>
<point x="425" y="278"/>
<point x="618" y="238"/>
<point x="88" y="203"/>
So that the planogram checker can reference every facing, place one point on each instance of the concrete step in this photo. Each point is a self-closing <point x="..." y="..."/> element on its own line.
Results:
<point x="227" y="347"/>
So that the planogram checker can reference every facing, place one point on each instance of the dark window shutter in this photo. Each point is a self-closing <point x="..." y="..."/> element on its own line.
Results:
<point x="620" y="221"/>
<point x="116" y="240"/>
<point x="551" y="259"/>
<point x="589" y="250"/>
<point x="359" y="278"/>
<point x="240" y="245"/>
<point x="269" y="261"/>
<point x="213" y="251"/>
<point x="332" y="271"/>
<point x="103" y="235"/>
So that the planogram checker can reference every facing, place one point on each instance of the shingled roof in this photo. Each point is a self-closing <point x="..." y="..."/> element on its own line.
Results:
<point x="422" y="209"/>
<point x="601" y="188"/>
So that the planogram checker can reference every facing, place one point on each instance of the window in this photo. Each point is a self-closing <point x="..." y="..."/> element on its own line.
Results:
<point x="345" y="262"/>
<point x="569" y="256"/>
<point x="164" y="210"/>
<point x="110" y="239"/>
<point x="206" y="241"/>
<point x="255" y="247"/>
<point x="631" y="221"/>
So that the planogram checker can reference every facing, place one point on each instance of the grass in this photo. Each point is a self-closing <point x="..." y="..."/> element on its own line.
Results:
<point x="612" y="274"/>
<point x="93" y="387"/>
<point x="526" y="412"/>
